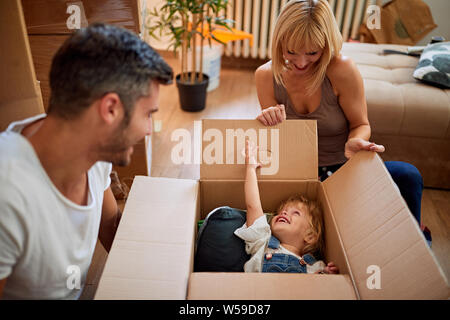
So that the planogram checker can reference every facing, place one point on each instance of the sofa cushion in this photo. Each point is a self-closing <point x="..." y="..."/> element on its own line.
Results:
<point x="397" y="103"/>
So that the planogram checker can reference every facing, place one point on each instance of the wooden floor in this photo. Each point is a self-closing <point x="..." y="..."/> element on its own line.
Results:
<point x="236" y="99"/>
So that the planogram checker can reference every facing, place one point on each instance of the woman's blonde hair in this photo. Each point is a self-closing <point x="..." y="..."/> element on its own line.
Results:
<point x="306" y="24"/>
<point x="315" y="218"/>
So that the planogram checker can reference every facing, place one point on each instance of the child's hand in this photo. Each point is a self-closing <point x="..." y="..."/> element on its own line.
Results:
<point x="331" y="268"/>
<point x="250" y="155"/>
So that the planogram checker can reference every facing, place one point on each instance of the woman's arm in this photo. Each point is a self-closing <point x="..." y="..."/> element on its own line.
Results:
<point x="252" y="199"/>
<point x="347" y="81"/>
<point x="264" y="86"/>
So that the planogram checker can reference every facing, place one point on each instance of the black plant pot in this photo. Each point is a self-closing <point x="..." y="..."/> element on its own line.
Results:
<point x="192" y="95"/>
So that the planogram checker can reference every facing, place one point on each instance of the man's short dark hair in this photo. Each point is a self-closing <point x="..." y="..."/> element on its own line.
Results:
<point x="100" y="59"/>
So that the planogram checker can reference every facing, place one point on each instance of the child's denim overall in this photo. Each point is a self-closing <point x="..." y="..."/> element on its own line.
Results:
<point x="281" y="262"/>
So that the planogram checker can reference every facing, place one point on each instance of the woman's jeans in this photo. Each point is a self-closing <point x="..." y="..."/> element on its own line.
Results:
<point x="405" y="175"/>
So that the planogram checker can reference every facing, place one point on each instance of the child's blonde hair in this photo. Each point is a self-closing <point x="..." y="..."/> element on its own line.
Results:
<point x="306" y="24"/>
<point x="314" y="213"/>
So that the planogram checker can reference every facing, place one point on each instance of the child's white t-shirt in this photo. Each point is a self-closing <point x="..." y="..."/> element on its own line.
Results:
<point x="256" y="238"/>
<point x="46" y="240"/>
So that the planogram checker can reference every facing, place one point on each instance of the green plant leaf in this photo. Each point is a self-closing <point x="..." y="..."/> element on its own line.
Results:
<point x="167" y="20"/>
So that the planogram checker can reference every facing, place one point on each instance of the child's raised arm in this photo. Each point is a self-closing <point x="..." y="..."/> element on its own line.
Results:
<point x="252" y="199"/>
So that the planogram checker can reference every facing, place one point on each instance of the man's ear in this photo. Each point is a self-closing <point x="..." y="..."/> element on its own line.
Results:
<point x="110" y="108"/>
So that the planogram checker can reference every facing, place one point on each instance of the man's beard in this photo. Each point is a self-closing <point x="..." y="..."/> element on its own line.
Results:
<point x="117" y="150"/>
<point x="121" y="159"/>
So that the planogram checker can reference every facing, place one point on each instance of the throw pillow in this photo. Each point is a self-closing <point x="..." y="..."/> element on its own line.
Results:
<point x="434" y="65"/>
<point x="218" y="249"/>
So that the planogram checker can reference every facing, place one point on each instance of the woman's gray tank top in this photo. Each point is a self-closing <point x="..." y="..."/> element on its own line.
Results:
<point x="332" y="125"/>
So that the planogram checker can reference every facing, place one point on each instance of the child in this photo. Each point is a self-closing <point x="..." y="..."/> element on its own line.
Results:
<point x="287" y="244"/>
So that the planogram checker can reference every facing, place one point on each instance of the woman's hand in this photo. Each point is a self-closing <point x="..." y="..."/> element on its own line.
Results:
<point x="272" y="115"/>
<point x="354" y="145"/>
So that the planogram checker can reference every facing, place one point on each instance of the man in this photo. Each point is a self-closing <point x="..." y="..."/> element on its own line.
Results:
<point x="55" y="197"/>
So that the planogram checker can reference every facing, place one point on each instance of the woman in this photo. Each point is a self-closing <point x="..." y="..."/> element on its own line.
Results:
<point x="308" y="78"/>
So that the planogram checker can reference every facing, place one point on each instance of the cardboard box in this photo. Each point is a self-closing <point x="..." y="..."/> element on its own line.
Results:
<point x="20" y="95"/>
<point x="367" y="225"/>
<point x="51" y="16"/>
<point x="50" y="22"/>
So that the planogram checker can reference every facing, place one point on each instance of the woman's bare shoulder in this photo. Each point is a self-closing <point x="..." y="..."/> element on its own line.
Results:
<point x="264" y="75"/>
<point x="341" y="68"/>
<point x="264" y="71"/>
<point x="264" y="85"/>
<point x="343" y="73"/>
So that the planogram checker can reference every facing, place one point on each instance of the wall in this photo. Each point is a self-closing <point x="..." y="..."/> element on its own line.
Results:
<point x="440" y="10"/>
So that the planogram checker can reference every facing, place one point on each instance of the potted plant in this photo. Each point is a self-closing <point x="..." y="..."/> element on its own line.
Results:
<point x="189" y="23"/>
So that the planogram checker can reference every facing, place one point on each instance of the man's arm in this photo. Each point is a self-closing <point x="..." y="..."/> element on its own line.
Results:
<point x="111" y="215"/>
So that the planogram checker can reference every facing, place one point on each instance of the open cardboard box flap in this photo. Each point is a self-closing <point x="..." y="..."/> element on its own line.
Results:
<point x="368" y="224"/>
<point x="377" y="229"/>
<point x="152" y="251"/>
<point x="290" y="147"/>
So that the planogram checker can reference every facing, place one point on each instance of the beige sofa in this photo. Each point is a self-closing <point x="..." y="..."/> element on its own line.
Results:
<point x="411" y="119"/>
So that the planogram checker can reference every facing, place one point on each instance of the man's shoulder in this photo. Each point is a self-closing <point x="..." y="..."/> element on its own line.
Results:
<point x="11" y="150"/>
<point x="19" y="125"/>
<point x="13" y="196"/>
<point x="14" y="150"/>
<point x="18" y="173"/>
<point x="8" y="139"/>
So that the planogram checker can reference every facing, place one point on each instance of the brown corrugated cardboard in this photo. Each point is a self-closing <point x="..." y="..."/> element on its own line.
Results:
<point x="367" y="226"/>
<point x="153" y="248"/>
<point x="43" y="48"/>
<point x="50" y="16"/>
<point x="378" y="229"/>
<point x="253" y="286"/>
<point x="19" y="95"/>
<point x="295" y="147"/>
<point x="50" y="22"/>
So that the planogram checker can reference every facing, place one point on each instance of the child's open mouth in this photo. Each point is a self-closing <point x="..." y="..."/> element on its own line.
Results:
<point x="282" y="219"/>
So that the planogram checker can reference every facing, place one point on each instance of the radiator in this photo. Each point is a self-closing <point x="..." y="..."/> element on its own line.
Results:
<point x="349" y="16"/>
